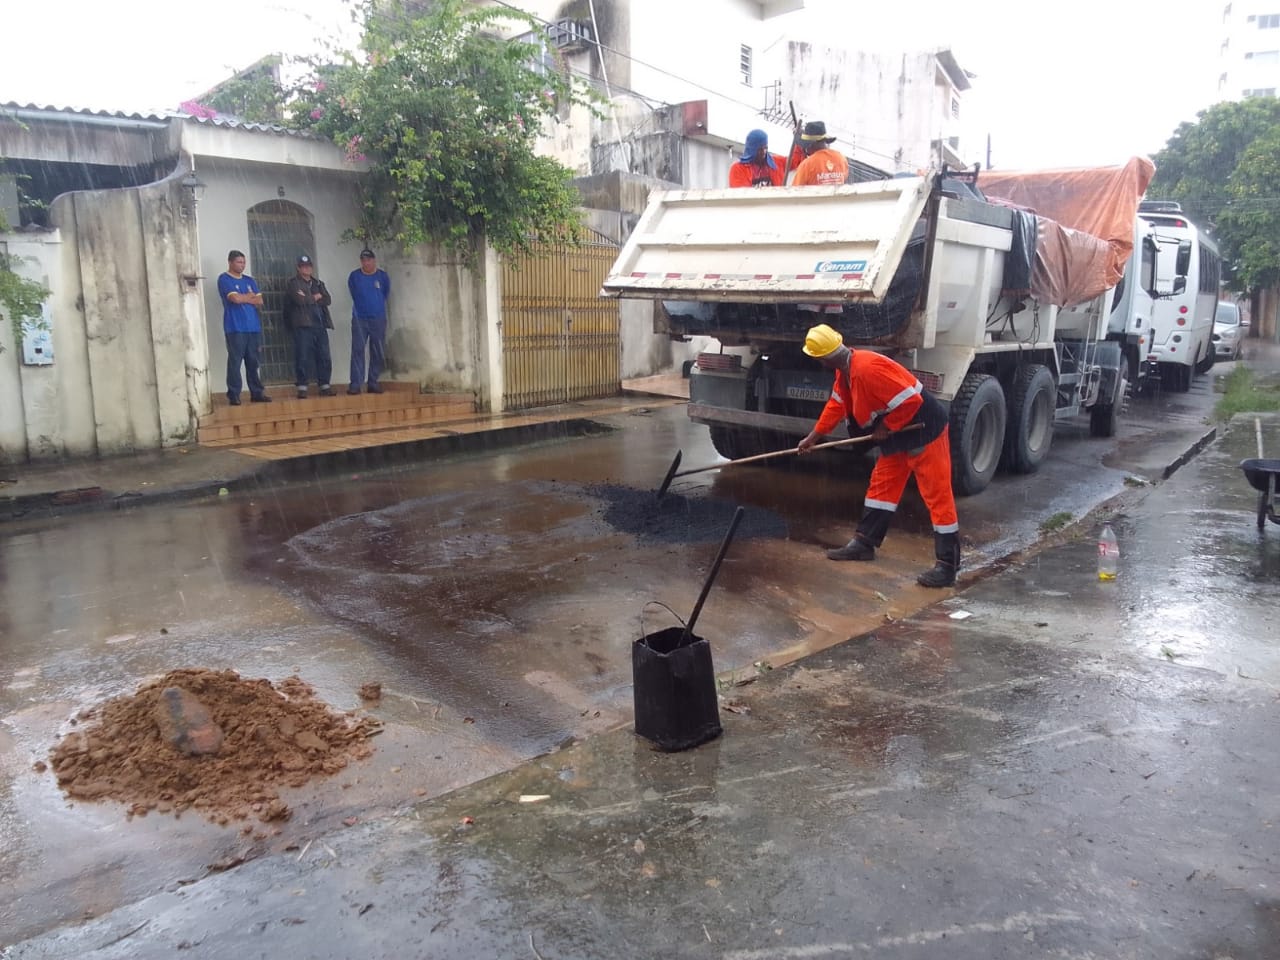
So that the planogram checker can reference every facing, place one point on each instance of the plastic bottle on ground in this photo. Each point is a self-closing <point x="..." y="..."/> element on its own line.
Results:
<point x="1108" y="553"/>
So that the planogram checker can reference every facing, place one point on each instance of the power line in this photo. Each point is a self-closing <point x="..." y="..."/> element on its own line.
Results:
<point x="855" y="141"/>
<point x="852" y="139"/>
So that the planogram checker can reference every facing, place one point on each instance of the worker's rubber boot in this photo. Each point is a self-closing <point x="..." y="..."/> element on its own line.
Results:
<point x="869" y="535"/>
<point x="946" y="550"/>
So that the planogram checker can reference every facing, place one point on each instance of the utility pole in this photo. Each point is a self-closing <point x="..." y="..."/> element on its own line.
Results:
<point x="988" y="151"/>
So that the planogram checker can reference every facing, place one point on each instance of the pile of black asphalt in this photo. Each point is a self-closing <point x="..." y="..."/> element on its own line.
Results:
<point x="678" y="519"/>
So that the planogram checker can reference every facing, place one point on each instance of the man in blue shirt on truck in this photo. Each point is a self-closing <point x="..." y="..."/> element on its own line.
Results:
<point x="242" y="327"/>
<point x="370" y="287"/>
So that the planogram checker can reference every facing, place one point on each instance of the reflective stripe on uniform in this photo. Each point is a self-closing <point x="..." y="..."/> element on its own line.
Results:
<point x="879" y="505"/>
<point x="946" y="528"/>
<point x="903" y="396"/>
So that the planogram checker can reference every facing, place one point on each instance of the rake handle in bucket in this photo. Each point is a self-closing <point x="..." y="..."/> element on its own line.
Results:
<point x="715" y="568"/>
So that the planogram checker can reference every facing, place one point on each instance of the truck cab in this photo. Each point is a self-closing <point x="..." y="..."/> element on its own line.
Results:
<point x="1134" y="299"/>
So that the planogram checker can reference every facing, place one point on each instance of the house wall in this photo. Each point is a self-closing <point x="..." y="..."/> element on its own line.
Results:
<point x="127" y="329"/>
<point x="886" y="109"/>
<point x="233" y="188"/>
<point x="1250" y="51"/>
<point x="30" y="417"/>
<point x="704" y="53"/>
<point x="439" y="322"/>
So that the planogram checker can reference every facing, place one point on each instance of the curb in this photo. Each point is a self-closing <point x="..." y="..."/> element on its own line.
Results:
<point x="1190" y="453"/>
<point x="57" y="503"/>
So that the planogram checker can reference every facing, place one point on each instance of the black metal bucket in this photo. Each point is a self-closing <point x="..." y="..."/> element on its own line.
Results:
<point x="675" y="690"/>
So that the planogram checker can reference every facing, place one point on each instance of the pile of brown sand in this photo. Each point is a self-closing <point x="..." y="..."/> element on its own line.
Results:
<point x="275" y="736"/>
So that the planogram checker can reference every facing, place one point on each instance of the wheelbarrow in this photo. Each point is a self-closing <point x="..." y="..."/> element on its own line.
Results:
<point x="1264" y="476"/>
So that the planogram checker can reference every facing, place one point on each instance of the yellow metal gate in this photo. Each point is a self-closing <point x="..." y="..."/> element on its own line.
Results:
<point x="560" y="340"/>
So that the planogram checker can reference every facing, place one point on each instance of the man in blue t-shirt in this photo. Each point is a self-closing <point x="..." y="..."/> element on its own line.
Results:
<point x="370" y="288"/>
<point x="242" y="327"/>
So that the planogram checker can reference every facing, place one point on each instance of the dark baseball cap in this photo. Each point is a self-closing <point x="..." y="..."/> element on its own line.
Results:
<point x="304" y="259"/>
<point x="366" y="252"/>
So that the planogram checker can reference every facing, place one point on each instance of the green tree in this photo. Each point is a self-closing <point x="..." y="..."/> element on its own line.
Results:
<point x="447" y="115"/>
<point x="1200" y="167"/>
<point x="21" y="300"/>
<point x="1251" y="216"/>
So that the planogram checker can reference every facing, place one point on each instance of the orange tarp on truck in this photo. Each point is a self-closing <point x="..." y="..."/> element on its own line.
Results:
<point x="1099" y="201"/>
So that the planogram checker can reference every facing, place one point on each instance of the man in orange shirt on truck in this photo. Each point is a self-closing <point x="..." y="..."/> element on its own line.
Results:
<point x="757" y="167"/>
<point x="879" y="396"/>
<point x="822" y="167"/>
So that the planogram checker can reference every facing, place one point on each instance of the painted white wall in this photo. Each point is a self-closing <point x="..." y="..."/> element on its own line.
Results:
<point x="691" y="51"/>
<point x="1250" y="52"/>
<point x="232" y="189"/>
<point x="28" y="395"/>
<point x="125" y="323"/>
<point x="885" y="108"/>
<point x="437" y="320"/>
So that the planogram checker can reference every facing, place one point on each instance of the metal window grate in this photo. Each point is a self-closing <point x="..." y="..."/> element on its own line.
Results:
<point x="744" y="64"/>
<point x="278" y="232"/>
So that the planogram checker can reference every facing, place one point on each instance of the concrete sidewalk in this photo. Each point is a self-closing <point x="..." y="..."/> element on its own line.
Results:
<point x="54" y="489"/>
<point x="1041" y="766"/>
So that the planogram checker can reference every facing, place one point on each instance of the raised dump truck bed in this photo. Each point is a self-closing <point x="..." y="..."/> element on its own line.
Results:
<point x="923" y="269"/>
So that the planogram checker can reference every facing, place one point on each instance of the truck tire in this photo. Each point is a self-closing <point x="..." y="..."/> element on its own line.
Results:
<point x="734" y="443"/>
<point x="977" y="433"/>
<point x="1208" y="360"/>
<point x="1029" y="432"/>
<point x="727" y="442"/>
<point x="1104" y="418"/>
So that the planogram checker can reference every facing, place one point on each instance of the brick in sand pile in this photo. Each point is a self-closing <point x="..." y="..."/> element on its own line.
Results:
<point x="158" y="750"/>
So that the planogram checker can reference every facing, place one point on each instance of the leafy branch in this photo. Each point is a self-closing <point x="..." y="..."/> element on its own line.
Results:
<point x="447" y="115"/>
<point x="21" y="300"/>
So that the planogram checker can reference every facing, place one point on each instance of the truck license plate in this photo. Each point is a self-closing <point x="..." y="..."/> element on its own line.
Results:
<point x="807" y="393"/>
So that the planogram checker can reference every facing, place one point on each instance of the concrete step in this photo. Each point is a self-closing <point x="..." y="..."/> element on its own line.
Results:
<point x="284" y="404"/>
<point x="324" y="424"/>
<point x="288" y="418"/>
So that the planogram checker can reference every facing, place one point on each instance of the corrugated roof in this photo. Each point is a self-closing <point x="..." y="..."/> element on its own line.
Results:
<point x="224" y="120"/>
<point x="235" y="123"/>
<point x="85" y="112"/>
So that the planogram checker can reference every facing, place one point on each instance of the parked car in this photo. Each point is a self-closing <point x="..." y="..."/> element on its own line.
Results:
<point x="1228" y="331"/>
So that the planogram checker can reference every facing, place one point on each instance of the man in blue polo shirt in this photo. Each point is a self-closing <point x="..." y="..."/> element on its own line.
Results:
<point x="242" y="327"/>
<point x="370" y="288"/>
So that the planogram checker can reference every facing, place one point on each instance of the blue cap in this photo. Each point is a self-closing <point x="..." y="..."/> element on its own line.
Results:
<point x="755" y="140"/>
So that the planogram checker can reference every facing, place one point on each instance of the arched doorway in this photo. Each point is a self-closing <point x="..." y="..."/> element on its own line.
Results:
<point x="279" y="231"/>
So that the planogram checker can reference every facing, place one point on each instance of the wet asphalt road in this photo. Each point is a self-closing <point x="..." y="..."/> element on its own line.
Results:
<point x="1041" y="766"/>
<point x="494" y="595"/>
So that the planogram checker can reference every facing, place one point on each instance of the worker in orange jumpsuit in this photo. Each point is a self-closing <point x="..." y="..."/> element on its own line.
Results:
<point x="879" y="396"/>
<point x="822" y="166"/>
<point x="757" y="167"/>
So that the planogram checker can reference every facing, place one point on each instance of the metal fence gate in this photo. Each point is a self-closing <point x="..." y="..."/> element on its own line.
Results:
<point x="560" y="339"/>
<point x="279" y="231"/>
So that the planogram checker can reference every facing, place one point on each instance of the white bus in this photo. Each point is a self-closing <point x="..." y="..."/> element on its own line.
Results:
<point x="1182" y="319"/>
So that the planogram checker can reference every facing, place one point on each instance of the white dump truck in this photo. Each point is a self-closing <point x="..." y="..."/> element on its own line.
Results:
<point x="1004" y="315"/>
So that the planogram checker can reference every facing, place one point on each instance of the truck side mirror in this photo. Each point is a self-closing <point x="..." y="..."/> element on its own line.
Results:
<point x="1179" y="285"/>
<point x="1183" y="264"/>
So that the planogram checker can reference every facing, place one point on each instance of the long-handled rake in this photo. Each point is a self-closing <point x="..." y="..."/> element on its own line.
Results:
<point x="790" y="451"/>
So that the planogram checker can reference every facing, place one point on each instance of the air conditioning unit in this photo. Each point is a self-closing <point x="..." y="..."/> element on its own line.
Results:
<point x="569" y="34"/>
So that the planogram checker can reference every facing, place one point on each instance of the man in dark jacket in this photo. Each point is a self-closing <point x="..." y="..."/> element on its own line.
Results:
<point x="306" y="311"/>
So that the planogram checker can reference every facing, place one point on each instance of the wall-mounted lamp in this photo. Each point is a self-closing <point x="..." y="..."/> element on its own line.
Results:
<point x="192" y="191"/>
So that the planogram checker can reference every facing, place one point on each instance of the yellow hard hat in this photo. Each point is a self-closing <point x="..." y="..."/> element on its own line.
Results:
<point x="822" y="340"/>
